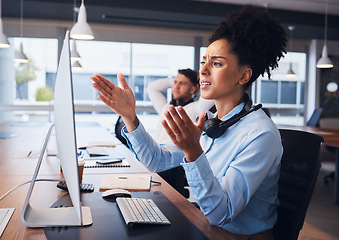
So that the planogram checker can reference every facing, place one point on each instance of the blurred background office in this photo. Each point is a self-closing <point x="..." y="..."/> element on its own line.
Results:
<point x="147" y="40"/>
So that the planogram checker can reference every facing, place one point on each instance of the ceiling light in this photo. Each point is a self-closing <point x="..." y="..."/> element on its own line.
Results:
<point x="3" y="39"/>
<point x="20" y="57"/>
<point x="332" y="87"/>
<point x="75" y="56"/>
<point x="290" y="73"/>
<point x="81" y="30"/>
<point x="76" y="66"/>
<point x="325" y="61"/>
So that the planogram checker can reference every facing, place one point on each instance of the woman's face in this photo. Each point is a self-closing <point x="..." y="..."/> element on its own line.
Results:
<point x="221" y="77"/>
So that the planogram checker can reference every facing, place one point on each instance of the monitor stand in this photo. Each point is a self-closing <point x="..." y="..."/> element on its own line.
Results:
<point x="42" y="217"/>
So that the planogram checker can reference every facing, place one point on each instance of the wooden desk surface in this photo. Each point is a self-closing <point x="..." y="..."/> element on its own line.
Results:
<point x="16" y="168"/>
<point x="331" y="136"/>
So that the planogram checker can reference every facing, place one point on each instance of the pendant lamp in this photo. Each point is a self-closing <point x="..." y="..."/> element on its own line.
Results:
<point x="76" y="66"/>
<point x="3" y="39"/>
<point x="75" y="56"/>
<point x="325" y="61"/>
<point x="20" y="57"/>
<point x="81" y="30"/>
<point x="290" y="73"/>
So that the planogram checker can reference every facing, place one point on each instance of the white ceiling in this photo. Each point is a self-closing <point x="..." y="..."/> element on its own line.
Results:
<point x="313" y="6"/>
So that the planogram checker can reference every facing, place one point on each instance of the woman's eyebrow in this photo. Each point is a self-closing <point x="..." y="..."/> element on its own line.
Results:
<point x="214" y="57"/>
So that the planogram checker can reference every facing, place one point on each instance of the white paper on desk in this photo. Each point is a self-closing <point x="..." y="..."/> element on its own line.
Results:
<point x="127" y="181"/>
<point x="113" y="153"/>
<point x="5" y="216"/>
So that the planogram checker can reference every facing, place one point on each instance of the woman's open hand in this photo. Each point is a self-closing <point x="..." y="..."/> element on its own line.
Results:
<point x="120" y="100"/>
<point x="183" y="132"/>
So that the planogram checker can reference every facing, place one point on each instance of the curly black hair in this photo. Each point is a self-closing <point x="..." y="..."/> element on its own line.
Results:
<point x="257" y="40"/>
<point x="191" y="74"/>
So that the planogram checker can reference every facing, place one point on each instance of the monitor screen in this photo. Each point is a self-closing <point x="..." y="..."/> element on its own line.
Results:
<point x="65" y="125"/>
<point x="67" y="151"/>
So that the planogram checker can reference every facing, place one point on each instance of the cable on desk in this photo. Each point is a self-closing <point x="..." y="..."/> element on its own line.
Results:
<point x="37" y="180"/>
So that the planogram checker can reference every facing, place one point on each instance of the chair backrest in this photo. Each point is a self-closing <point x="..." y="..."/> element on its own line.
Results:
<point x="315" y="117"/>
<point x="118" y="126"/>
<point x="267" y="111"/>
<point x="300" y="166"/>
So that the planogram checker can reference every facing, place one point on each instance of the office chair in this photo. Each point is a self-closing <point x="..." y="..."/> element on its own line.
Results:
<point x="314" y="122"/>
<point x="315" y="117"/>
<point x="300" y="166"/>
<point x="117" y="129"/>
<point x="267" y="111"/>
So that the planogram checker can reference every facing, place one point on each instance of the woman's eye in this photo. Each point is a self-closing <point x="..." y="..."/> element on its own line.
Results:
<point x="217" y="64"/>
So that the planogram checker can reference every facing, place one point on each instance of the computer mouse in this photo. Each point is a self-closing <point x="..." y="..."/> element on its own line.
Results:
<point x="114" y="193"/>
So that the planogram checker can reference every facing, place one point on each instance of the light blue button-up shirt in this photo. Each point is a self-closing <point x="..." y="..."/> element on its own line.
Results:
<point x="235" y="180"/>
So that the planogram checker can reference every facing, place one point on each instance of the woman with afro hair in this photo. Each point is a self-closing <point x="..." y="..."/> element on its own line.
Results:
<point x="233" y="172"/>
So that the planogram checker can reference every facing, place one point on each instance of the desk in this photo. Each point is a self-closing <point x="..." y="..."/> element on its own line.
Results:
<point x="331" y="139"/>
<point x="16" y="168"/>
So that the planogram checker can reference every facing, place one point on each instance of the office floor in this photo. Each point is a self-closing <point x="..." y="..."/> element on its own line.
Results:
<point x="322" y="212"/>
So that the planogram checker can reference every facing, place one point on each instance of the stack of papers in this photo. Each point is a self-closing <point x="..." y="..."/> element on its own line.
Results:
<point x="126" y="181"/>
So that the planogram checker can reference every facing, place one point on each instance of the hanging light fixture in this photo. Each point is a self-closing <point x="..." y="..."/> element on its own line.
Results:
<point x="290" y="72"/>
<point x="20" y="57"/>
<point x="75" y="56"/>
<point x="325" y="61"/>
<point x="81" y="30"/>
<point x="76" y="66"/>
<point x="3" y="39"/>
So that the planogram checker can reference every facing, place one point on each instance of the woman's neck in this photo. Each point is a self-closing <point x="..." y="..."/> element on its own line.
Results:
<point x="226" y="105"/>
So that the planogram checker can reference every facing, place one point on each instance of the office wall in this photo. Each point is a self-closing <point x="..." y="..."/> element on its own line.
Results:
<point x="7" y="81"/>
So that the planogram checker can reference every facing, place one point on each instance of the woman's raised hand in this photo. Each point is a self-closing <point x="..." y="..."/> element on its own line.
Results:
<point x="183" y="132"/>
<point x="120" y="100"/>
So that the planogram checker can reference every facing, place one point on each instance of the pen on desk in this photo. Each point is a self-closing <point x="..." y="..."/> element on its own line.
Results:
<point x="81" y="154"/>
<point x="29" y="154"/>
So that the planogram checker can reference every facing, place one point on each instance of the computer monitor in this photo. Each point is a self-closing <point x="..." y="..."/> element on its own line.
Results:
<point x="67" y="151"/>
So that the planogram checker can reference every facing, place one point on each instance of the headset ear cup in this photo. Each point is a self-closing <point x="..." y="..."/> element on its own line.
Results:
<point x="212" y="128"/>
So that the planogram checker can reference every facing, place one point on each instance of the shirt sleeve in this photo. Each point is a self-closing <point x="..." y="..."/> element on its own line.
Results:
<point x="155" y="157"/>
<point x="204" y="105"/>
<point x="222" y="200"/>
<point x="155" y="94"/>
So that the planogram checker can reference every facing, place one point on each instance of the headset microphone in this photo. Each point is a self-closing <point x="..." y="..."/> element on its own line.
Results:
<point x="214" y="127"/>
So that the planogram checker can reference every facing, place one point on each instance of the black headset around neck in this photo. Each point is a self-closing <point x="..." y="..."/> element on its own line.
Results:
<point x="214" y="127"/>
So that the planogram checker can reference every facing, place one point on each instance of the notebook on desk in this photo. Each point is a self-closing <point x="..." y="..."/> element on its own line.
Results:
<point x="95" y="153"/>
<point x="5" y="216"/>
<point x="126" y="181"/>
<point x="114" y="164"/>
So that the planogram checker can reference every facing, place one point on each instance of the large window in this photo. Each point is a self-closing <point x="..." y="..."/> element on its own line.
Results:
<point x="143" y="63"/>
<point x="140" y="64"/>
<point x="31" y="76"/>
<point x="282" y="94"/>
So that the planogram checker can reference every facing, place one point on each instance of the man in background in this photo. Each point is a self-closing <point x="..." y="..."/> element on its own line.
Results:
<point x="184" y="88"/>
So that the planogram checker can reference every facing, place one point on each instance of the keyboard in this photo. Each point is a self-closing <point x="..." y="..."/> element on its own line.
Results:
<point x="140" y="211"/>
